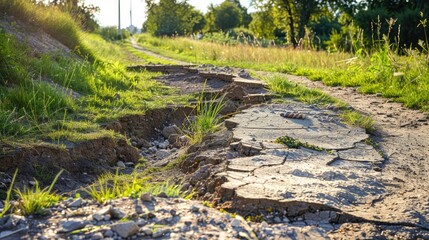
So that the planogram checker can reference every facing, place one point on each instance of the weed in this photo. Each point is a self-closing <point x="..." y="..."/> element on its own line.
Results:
<point x="35" y="200"/>
<point x="206" y="117"/>
<point x="207" y="204"/>
<point x="7" y="205"/>
<point x="110" y="186"/>
<point x="356" y="119"/>
<point x="295" y="143"/>
<point x="281" y="85"/>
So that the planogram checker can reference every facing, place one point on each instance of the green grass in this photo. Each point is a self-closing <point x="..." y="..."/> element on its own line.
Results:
<point x="35" y="200"/>
<point x="359" y="120"/>
<point x="7" y="202"/>
<point x="207" y="117"/>
<point x="404" y="79"/>
<point x="281" y="85"/>
<point x="295" y="143"/>
<point x="111" y="186"/>
<point x="49" y="19"/>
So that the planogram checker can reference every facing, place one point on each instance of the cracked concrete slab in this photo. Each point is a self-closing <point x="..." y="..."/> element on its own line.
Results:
<point x="320" y="127"/>
<point x="293" y="176"/>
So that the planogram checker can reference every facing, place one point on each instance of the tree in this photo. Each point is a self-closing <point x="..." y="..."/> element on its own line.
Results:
<point x="224" y="17"/>
<point x="299" y="13"/>
<point x="84" y="14"/>
<point x="170" y="17"/>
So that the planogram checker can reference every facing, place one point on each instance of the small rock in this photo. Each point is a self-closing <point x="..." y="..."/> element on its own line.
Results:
<point x="162" y="154"/>
<point x="97" y="217"/>
<point x="277" y="220"/>
<point x="164" y="144"/>
<point x="116" y="213"/>
<point x="76" y="203"/>
<point x="167" y="131"/>
<point x="264" y="224"/>
<point x="108" y="233"/>
<point x="71" y="226"/>
<point x="152" y="150"/>
<point x="194" y="209"/>
<point x="146" y="197"/>
<point x="141" y="222"/>
<point x="120" y="164"/>
<point x="244" y="235"/>
<point x="125" y="229"/>
<point x="97" y="236"/>
<point x="107" y="217"/>
<point x="162" y="195"/>
<point x="235" y="223"/>
<point x="129" y="164"/>
<point x="146" y="231"/>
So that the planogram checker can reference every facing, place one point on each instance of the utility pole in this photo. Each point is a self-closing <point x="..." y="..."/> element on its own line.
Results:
<point x="131" y="13"/>
<point x="119" y="19"/>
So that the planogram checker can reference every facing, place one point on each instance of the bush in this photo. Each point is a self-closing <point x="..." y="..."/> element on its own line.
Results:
<point x="111" y="33"/>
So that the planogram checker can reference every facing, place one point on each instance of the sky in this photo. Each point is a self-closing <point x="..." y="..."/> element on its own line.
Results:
<point x="108" y="15"/>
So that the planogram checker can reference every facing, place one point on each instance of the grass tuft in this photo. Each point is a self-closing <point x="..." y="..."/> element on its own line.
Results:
<point x="207" y="118"/>
<point x="35" y="200"/>
<point x="359" y="120"/>
<point x="7" y="205"/>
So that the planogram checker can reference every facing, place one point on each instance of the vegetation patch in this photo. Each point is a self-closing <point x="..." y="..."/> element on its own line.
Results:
<point x="295" y="143"/>
<point x="357" y="119"/>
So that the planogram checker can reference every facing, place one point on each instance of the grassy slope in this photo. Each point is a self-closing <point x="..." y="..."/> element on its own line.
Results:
<point x="32" y="108"/>
<point x="402" y="78"/>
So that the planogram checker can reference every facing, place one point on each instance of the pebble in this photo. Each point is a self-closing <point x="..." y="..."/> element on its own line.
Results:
<point x="76" y="203"/>
<point x="121" y="164"/>
<point x="146" y="197"/>
<point x="97" y="236"/>
<point x="71" y="226"/>
<point x="235" y="223"/>
<point x="125" y="229"/>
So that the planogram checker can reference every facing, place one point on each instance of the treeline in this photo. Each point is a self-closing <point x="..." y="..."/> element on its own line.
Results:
<point x="334" y="24"/>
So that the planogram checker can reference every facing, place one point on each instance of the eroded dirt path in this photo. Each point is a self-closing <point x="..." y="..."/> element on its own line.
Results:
<point x="400" y="197"/>
<point x="150" y="53"/>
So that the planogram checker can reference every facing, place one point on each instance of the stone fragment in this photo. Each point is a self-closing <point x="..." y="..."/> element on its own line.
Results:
<point x="125" y="229"/>
<point x="162" y="154"/>
<point x="71" y="226"/>
<point x="152" y="150"/>
<point x="76" y="203"/>
<point x="117" y="213"/>
<point x="108" y="233"/>
<point x="146" y="230"/>
<point x="120" y="164"/>
<point x="235" y="223"/>
<point x="194" y="209"/>
<point x="146" y="197"/>
<point x="97" y="217"/>
<point x="164" y="144"/>
<point x="97" y="236"/>
<point x="168" y="131"/>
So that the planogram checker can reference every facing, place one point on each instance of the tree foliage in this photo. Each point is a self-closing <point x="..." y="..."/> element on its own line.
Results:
<point x="84" y="14"/>
<point x="171" y="17"/>
<point x="228" y="15"/>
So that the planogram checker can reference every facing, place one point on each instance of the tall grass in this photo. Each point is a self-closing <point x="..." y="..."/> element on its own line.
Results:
<point x="207" y="117"/>
<point x="110" y="186"/>
<point x="50" y="19"/>
<point x="35" y="200"/>
<point x="7" y="201"/>
<point x="281" y="85"/>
